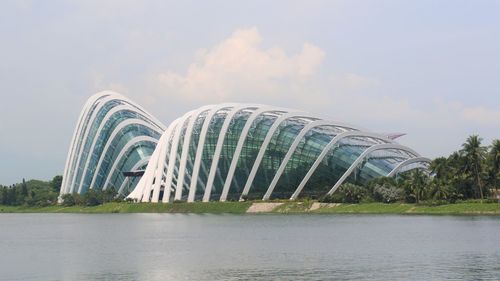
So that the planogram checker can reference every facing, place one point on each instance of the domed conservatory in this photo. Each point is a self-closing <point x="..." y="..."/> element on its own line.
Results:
<point x="222" y="152"/>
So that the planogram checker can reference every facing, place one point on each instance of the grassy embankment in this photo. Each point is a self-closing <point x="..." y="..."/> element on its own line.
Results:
<point x="197" y="207"/>
<point x="465" y="208"/>
<point x="305" y="207"/>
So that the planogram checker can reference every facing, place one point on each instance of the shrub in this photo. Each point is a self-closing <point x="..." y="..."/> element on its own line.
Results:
<point x="347" y="193"/>
<point x="387" y="193"/>
<point x="91" y="198"/>
<point x="68" y="200"/>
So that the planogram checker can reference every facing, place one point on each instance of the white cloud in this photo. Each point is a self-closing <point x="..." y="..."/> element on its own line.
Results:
<point x="239" y="66"/>
<point x="481" y="115"/>
<point x="239" y="69"/>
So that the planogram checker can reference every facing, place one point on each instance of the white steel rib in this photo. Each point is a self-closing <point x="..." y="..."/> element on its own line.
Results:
<point x="408" y="162"/>
<point x="199" y="150"/>
<point x="239" y="147"/>
<point x="327" y="148"/>
<point x="124" y="150"/>
<point x="264" y="145"/>
<point x="364" y="155"/>
<point x="218" y="148"/>
<point x="134" y="168"/>
<point x="92" y="121"/>
<point x="291" y="150"/>
<point x="117" y="130"/>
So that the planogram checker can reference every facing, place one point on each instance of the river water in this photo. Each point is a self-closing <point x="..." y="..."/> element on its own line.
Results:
<point x="248" y="247"/>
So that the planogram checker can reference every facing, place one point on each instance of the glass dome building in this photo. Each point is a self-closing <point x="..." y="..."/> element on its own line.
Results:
<point x="224" y="152"/>
<point x="239" y="151"/>
<point x="113" y="135"/>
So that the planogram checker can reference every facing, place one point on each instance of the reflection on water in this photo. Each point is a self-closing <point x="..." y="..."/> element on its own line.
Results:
<point x="251" y="247"/>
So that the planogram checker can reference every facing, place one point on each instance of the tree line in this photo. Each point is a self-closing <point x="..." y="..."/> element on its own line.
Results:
<point x="469" y="173"/>
<point x="31" y="193"/>
<point x="92" y="197"/>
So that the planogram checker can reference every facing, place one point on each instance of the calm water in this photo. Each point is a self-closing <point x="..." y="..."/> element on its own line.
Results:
<point x="252" y="247"/>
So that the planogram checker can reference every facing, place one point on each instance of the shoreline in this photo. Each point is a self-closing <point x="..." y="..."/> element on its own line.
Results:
<point x="272" y="207"/>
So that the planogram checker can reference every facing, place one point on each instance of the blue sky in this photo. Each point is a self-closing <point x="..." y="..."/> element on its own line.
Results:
<point x="430" y="69"/>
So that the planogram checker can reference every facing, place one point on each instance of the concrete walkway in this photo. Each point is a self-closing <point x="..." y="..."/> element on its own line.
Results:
<point x="263" y="207"/>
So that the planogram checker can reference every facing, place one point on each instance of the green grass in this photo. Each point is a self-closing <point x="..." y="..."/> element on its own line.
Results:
<point x="293" y="207"/>
<point x="466" y="208"/>
<point x="197" y="207"/>
<point x="397" y="208"/>
<point x="367" y="208"/>
<point x="460" y="209"/>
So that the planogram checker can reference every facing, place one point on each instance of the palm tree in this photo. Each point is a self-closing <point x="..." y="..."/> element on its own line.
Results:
<point x="495" y="162"/>
<point x="440" y="167"/>
<point x="474" y="158"/>
<point x="440" y="189"/>
<point x="417" y="183"/>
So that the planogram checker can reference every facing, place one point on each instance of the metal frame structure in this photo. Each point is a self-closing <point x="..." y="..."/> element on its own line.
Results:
<point x="168" y="168"/>
<point x="100" y="126"/>
<point x="220" y="152"/>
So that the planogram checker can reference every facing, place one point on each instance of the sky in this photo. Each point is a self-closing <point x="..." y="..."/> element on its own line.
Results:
<point x="430" y="69"/>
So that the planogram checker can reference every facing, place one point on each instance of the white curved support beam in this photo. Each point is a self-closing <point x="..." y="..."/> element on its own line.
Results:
<point x="187" y="142"/>
<point x="408" y="162"/>
<point x="264" y="145"/>
<point x="74" y="140"/>
<point x="239" y="147"/>
<point x="96" y="137"/>
<point x="138" y="191"/>
<point x="173" y="151"/>
<point x="166" y="162"/>
<point x="364" y="155"/>
<point x="327" y="148"/>
<point x="290" y="152"/>
<point x="87" y="120"/>
<point x="218" y="148"/>
<point x="118" y="129"/>
<point x="143" y="187"/>
<point x="199" y="149"/>
<point x="160" y="164"/>
<point x="134" y="168"/>
<point x="91" y="114"/>
<point x="112" y="137"/>
<point x="111" y="97"/>
<point x="124" y="150"/>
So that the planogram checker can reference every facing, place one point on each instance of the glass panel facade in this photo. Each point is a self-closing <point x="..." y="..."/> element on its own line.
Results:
<point x="251" y="147"/>
<point x="306" y="153"/>
<point x="99" y="141"/>
<point x="228" y="148"/>
<point x="281" y="141"/>
<point x="211" y="139"/>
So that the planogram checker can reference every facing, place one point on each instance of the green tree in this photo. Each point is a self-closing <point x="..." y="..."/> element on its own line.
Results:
<point x="92" y="198"/>
<point x="24" y="189"/>
<point x="5" y="196"/>
<point x="56" y="183"/>
<point x="12" y="195"/>
<point x="353" y="193"/>
<point x="440" y="167"/>
<point x="107" y="195"/>
<point x="417" y="183"/>
<point x="494" y="161"/>
<point x="475" y="155"/>
<point x="440" y="189"/>
<point x="68" y="200"/>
